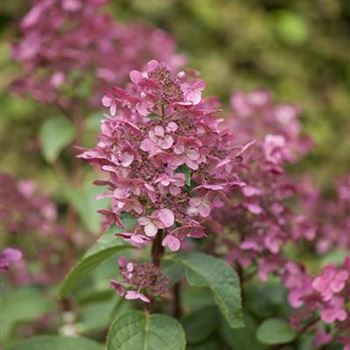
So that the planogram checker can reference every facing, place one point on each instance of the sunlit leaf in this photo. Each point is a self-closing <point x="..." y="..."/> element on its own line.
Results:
<point x="206" y="271"/>
<point x="55" y="134"/>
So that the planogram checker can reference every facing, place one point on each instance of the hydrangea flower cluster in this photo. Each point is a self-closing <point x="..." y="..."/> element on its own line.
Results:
<point x="327" y="293"/>
<point x="64" y="42"/>
<point x="329" y="215"/>
<point x="22" y="210"/>
<point x="8" y="257"/>
<point x="257" y="220"/>
<point x="168" y="162"/>
<point x="255" y="115"/>
<point x="25" y="212"/>
<point x="143" y="281"/>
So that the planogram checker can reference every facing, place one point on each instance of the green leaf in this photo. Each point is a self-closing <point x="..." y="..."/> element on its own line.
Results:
<point x="334" y="257"/>
<point x="265" y="300"/>
<point x="56" y="343"/>
<point x="96" y="295"/>
<point x="200" y="324"/>
<point x="107" y="246"/>
<point x="22" y="305"/>
<point x="84" y="201"/>
<point x="55" y="134"/>
<point x="212" y="343"/>
<point x="174" y="272"/>
<point x="243" y="338"/>
<point x="206" y="271"/>
<point x="275" y="331"/>
<point x="194" y="298"/>
<point x="135" y="330"/>
<point x="93" y="121"/>
<point x="97" y="316"/>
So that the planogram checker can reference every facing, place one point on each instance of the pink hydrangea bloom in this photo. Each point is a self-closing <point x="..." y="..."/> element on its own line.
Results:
<point x="26" y="212"/>
<point x="331" y="281"/>
<point x="322" y="338"/>
<point x="256" y="115"/>
<point x="334" y="311"/>
<point x="8" y="257"/>
<point x="326" y="294"/>
<point x="257" y="221"/>
<point x="64" y="45"/>
<point x="275" y="149"/>
<point x="179" y="160"/>
<point x="328" y="215"/>
<point x="23" y="210"/>
<point x="193" y="91"/>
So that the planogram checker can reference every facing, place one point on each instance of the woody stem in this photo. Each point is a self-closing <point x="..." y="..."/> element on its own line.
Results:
<point x="177" y="311"/>
<point x="157" y="249"/>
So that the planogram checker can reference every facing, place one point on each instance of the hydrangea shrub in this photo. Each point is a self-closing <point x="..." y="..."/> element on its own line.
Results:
<point x="209" y="239"/>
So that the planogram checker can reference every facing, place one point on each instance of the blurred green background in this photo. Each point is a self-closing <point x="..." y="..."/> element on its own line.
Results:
<point x="300" y="50"/>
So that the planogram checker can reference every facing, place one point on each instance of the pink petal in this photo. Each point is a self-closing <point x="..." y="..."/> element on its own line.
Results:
<point x="166" y="143"/>
<point x="192" y="154"/>
<point x="171" y="242"/>
<point x="12" y="254"/>
<point x="166" y="216"/>
<point x="107" y="101"/>
<point x="318" y="284"/>
<point x="249" y="245"/>
<point x="254" y="208"/>
<point x="192" y="91"/>
<point x="175" y="191"/>
<point x="250" y="191"/>
<point x="122" y="262"/>
<point x="195" y="202"/>
<point x="204" y="209"/>
<point x="113" y="109"/>
<point x="152" y="65"/>
<point x="144" y="298"/>
<point x="118" y="287"/>
<point x="127" y="159"/>
<point x="142" y="108"/>
<point x="151" y="229"/>
<point x="147" y="145"/>
<point x="196" y="232"/>
<point x="210" y="187"/>
<point x="179" y="149"/>
<point x="133" y="295"/>
<point x="130" y="266"/>
<point x="191" y="164"/>
<point x="159" y="131"/>
<point x="172" y="127"/>
<point x="136" y="76"/>
<point x="138" y="239"/>
<point x="111" y="216"/>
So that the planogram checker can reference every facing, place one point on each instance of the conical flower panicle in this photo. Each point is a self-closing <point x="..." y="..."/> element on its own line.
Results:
<point x="168" y="162"/>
